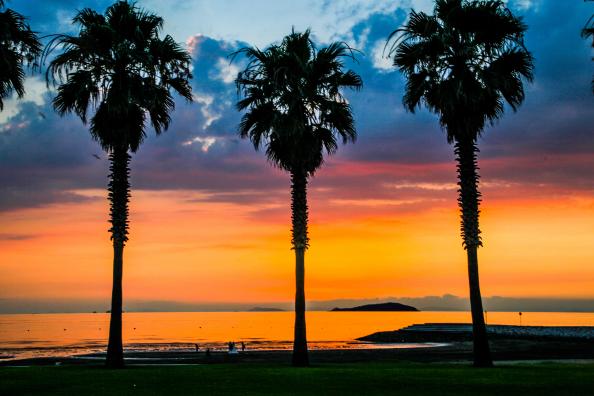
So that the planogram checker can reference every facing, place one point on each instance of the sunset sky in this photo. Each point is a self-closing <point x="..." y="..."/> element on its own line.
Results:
<point x="210" y="218"/>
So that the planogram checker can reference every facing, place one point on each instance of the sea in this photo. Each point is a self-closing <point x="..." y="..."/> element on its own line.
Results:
<point x="44" y="335"/>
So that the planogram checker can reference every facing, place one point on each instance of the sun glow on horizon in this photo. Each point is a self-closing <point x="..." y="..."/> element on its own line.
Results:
<point x="185" y="247"/>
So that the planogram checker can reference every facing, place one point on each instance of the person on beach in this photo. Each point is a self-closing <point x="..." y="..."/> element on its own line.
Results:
<point x="242" y="346"/>
<point x="197" y="347"/>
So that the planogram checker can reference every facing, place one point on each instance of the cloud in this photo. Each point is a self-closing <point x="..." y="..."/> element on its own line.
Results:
<point x="399" y="157"/>
<point x="204" y="142"/>
<point x="524" y="5"/>
<point x="446" y="302"/>
<point x="379" y="55"/>
<point x="263" y="22"/>
<point x="205" y="101"/>
<point x="35" y="92"/>
<point x="46" y="19"/>
<point x="16" y="237"/>
<point x="227" y="71"/>
<point x="450" y="302"/>
<point x="424" y="186"/>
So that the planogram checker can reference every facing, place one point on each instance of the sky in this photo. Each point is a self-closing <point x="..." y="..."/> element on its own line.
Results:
<point x="210" y="218"/>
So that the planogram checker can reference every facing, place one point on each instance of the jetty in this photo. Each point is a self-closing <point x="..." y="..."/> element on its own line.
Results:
<point x="451" y="332"/>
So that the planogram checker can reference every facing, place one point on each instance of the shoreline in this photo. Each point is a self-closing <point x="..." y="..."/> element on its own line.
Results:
<point x="444" y="342"/>
<point x="74" y="350"/>
<point x="502" y="350"/>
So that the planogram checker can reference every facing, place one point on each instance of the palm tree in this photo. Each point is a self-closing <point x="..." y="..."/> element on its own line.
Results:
<point x="120" y="67"/>
<point x="464" y="63"/>
<point x="294" y="107"/>
<point x="19" y="47"/>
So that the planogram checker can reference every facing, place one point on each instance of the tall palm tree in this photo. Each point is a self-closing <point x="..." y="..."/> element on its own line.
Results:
<point x="464" y="63"/>
<point x="295" y="108"/>
<point x="120" y="67"/>
<point x="19" y="47"/>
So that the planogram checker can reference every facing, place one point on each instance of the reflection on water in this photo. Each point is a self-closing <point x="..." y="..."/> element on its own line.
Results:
<point x="68" y="334"/>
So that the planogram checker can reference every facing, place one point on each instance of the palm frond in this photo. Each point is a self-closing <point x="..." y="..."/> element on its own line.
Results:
<point x="20" y="48"/>
<point x="292" y="95"/>
<point x="118" y="66"/>
<point x="463" y="63"/>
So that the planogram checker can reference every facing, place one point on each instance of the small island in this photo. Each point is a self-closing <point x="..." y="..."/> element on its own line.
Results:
<point x="265" y="309"/>
<point x="384" y="307"/>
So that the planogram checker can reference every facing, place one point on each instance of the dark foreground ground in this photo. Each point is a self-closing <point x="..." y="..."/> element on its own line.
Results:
<point x="322" y="379"/>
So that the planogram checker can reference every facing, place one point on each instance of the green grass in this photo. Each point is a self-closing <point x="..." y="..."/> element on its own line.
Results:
<point x="337" y="379"/>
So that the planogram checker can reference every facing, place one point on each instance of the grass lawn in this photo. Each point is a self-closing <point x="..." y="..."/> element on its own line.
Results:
<point x="336" y="379"/>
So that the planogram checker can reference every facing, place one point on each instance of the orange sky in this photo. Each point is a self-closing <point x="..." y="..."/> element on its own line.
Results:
<point x="185" y="248"/>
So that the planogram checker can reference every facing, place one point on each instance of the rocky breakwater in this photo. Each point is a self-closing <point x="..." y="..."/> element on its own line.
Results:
<point x="452" y="332"/>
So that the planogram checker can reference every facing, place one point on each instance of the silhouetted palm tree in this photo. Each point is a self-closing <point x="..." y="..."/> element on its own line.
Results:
<point x="19" y="47"/>
<point x="463" y="63"/>
<point x="120" y="67"/>
<point x="295" y="108"/>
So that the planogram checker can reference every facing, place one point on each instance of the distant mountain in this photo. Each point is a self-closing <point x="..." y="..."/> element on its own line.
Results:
<point x="385" y="307"/>
<point x="265" y="309"/>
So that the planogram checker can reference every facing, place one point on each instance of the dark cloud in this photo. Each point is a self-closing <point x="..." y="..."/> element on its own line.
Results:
<point x="447" y="302"/>
<point x="46" y="160"/>
<point x="16" y="237"/>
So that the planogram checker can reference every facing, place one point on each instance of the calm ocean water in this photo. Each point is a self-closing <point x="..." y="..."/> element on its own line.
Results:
<point x="70" y="334"/>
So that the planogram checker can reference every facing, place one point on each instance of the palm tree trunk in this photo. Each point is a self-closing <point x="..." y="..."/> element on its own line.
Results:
<point x="469" y="201"/>
<point x="300" y="243"/>
<point x="119" y="196"/>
